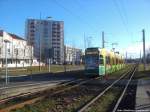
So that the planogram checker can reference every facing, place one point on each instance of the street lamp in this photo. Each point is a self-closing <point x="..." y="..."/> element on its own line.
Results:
<point x="6" y="71"/>
<point x="1" y="63"/>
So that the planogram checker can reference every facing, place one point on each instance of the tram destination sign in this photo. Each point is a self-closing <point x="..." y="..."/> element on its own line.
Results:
<point x="92" y="53"/>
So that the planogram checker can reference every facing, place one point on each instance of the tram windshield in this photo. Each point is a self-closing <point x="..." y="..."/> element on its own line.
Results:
<point x="90" y="59"/>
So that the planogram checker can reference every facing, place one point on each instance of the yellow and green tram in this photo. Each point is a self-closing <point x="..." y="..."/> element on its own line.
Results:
<point x="99" y="62"/>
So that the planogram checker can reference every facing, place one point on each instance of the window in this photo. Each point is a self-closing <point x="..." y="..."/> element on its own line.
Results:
<point x="116" y="61"/>
<point x="107" y="60"/>
<point x="45" y="23"/>
<point x="32" y="39"/>
<point x="16" y="51"/>
<point x="32" y="26"/>
<point x="53" y="39"/>
<point x="58" y="53"/>
<point x="54" y="29"/>
<point x="32" y="34"/>
<point x="113" y="61"/>
<point x="8" y="51"/>
<point x="32" y="31"/>
<point x="32" y="23"/>
<point x="101" y="60"/>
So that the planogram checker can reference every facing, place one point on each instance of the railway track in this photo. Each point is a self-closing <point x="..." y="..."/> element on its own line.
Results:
<point x="39" y="94"/>
<point x="12" y="91"/>
<point x="35" y="88"/>
<point x="66" y="97"/>
<point x="88" y="105"/>
<point x="123" y="92"/>
<point x="69" y="98"/>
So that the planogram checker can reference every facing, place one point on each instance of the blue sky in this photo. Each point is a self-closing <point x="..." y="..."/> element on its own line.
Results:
<point x="121" y="20"/>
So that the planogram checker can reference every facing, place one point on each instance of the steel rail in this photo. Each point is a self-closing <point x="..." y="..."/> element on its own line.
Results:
<point x="59" y="91"/>
<point x="120" y="98"/>
<point x="30" y="93"/>
<point x="74" y="86"/>
<point x="55" y="86"/>
<point x="26" y="85"/>
<point x="102" y="93"/>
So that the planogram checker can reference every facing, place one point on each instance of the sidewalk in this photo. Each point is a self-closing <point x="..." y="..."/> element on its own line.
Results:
<point x="143" y="96"/>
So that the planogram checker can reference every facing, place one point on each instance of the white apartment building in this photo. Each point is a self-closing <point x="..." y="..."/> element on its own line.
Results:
<point x="19" y="54"/>
<point x="47" y="38"/>
<point x="72" y="55"/>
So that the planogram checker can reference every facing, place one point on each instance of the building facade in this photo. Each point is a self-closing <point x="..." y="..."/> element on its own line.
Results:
<point x="47" y="38"/>
<point x="72" y="55"/>
<point x="19" y="54"/>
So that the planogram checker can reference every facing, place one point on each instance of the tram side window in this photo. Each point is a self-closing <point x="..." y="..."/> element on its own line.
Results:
<point x="107" y="60"/>
<point x="112" y="60"/>
<point x="101" y="60"/>
<point x="116" y="61"/>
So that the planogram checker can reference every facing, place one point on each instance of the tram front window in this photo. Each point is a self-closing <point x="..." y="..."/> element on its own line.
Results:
<point x="91" y="60"/>
<point x="101" y="60"/>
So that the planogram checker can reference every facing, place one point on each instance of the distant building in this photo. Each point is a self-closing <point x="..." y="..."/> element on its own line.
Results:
<point x="148" y="55"/>
<point x="46" y="36"/>
<point x="19" y="54"/>
<point x="72" y="55"/>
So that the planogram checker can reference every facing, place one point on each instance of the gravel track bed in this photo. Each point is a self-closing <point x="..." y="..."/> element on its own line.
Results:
<point x="67" y="101"/>
<point x="34" y="95"/>
<point x="107" y="101"/>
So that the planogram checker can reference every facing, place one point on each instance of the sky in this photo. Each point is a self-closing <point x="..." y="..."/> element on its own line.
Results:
<point x="121" y="20"/>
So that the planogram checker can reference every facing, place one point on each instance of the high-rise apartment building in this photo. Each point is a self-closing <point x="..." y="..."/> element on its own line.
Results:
<point x="47" y="38"/>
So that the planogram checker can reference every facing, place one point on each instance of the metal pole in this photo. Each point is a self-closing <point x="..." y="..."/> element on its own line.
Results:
<point x="84" y="41"/>
<point x="16" y="56"/>
<point x="103" y="46"/>
<point x="140" y="56"/>
<point x="40" y="56"/>
<point x="144" y="60"/>
<point x="103" y="40"/>
<point x="31" y="59"/>
<point x="65" y="60"/>
<point x="40" y="46"/>
<point x="6" y="78"/>
<point x="49" y="66"/>
<point x="126" y="56"/>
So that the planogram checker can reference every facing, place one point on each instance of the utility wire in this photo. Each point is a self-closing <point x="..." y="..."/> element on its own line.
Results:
<point x="122" y="17"/>
<point x="125" y="17"/>
<point x="74" y="15"/>
<point x="79" y="18"/>
<point x="120" y="14"/>
<point x="124" y="11"/>
<point x="85" y="11"/>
